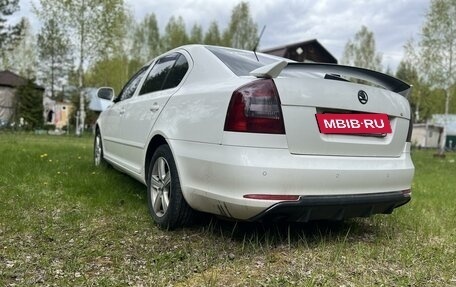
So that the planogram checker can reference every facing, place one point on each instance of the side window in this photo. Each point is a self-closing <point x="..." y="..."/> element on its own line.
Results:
<point x="177" y="73"/>
<point x="157" y="76"/>
<point x="130" y="88"/>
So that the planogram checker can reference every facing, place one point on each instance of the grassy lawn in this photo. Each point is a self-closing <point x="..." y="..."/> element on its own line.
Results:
<point x="65" y="223"/>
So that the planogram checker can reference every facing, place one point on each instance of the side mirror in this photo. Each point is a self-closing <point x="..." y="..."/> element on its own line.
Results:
<point x="105" y="93"/>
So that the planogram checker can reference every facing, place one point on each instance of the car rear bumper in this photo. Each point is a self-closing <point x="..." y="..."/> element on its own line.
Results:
<point x="334" y="207"/>
<point x="215" y="178"/>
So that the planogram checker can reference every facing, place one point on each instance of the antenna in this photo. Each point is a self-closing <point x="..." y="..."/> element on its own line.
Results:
<point x="258" y="42"/>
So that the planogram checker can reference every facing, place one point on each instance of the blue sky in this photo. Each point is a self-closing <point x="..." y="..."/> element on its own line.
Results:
<point x="332" y="22"/>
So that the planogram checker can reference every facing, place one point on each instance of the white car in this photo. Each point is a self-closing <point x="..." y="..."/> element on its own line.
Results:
<point x="250" y="136"/>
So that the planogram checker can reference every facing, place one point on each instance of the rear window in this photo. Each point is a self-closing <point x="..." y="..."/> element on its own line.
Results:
<point x="242" y="62"/>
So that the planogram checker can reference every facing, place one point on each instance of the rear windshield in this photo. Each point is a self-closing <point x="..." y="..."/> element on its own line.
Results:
<point x="242" y="62"/>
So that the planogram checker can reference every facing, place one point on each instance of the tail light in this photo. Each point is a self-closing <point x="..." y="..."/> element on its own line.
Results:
<point x="255" y="108"/>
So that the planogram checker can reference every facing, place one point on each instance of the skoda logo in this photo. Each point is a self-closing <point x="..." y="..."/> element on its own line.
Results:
<point x="362" y="97"/>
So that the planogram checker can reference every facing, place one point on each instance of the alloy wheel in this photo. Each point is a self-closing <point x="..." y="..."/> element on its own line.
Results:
<point x="160" y="186"/>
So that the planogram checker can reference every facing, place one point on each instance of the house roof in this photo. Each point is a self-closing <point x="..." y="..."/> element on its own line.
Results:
<point x="312" y="50"/>
<point x="10" y="79"/>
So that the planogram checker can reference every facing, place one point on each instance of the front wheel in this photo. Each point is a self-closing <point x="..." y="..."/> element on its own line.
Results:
<point x="98" y="159"/>
<point x="164" y="195"/>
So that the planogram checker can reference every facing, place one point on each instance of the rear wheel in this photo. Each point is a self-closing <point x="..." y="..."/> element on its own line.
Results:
<point x="164" y="195"/>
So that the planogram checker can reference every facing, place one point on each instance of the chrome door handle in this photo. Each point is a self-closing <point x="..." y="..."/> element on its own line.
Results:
<point x="155" y="107"/>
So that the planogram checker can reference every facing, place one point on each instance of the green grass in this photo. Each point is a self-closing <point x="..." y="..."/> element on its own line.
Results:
<point x="65" y="223"/>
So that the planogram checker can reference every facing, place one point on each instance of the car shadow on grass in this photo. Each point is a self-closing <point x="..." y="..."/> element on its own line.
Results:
<point x="265" y="233"/>
<point x="290" y="233"/>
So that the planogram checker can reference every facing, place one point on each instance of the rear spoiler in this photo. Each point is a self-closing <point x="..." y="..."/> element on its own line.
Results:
<point x="388" y="82"/>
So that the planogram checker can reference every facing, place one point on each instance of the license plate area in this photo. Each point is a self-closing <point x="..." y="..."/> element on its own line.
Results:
<point x="354" y="124"/>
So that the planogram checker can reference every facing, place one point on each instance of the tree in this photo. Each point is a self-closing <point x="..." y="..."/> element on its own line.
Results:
<point x="23" y="58"/>
<point x="408" y="71"/>
<point x="110" y="72"/>
<point x="242" y="31"/>
<point x="175" y="33"/>
<point x="30" y="105"/>
<point x="9" y="35"/>
<point x="438" y="47"/>
<point x="94" y="28"/>
<point x="146" y="39"/>
<point x="212" y="36"/>
<point x="422" y="99"/>
<point x="361" y="51"/>
<point x="196" y="35"/>
<point x="54" y="53"/>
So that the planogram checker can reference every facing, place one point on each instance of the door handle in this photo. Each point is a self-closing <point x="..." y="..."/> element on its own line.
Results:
<point x="122" y="111"/>
<point x="155" y="107"/>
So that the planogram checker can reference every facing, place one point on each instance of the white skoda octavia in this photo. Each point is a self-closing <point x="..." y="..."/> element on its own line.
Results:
<point x="250" y="136"/>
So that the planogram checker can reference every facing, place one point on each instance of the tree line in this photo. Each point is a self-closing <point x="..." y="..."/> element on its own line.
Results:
<point x="429" y="64"/>
<point x="85" y="43"/>
<point x="99" y="42"/>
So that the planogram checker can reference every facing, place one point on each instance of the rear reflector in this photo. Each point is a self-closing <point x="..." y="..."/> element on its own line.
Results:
<point x="272" y="197"/>
<point x="255" y="108"/>
<point x="407" y="192"/>
<point x="410" y="129"/>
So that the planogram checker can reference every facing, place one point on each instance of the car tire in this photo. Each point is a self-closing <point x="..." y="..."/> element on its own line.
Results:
<point x="166" y="203"/>
<point x="98" y="159"/>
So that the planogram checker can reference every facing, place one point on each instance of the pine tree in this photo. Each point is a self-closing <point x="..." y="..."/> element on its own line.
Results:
<point x="29" y="105"/>
<point x="54" y="53"/>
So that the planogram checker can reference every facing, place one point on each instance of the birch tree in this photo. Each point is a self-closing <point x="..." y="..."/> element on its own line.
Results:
<point x="23" y="57"/>
<point x="242" y="31"/>
<point x="212" y="36"/>
<point x="438" y="47"/>
<point x="9" y="34"/>
<point x="175" y="33"/>
<point x="196" y="35"/>
<point x="146" y="39"/>
<point x="93" y="27"/>
<point x="361" y="51"/>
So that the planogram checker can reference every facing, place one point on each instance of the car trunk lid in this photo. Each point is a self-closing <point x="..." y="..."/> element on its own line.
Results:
<point x="303" y="98"/>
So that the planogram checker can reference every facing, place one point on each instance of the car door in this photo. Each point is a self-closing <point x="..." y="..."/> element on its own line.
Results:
<point x="143" y="110"/>
<point x="114" y="140"/>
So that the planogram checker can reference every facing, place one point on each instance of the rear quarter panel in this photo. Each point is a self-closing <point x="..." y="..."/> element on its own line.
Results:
<point x="197" y="111"/>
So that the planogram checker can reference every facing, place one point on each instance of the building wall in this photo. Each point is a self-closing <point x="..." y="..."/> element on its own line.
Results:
<point x="7" y="104"/>
<point x="419" y="137"/>
<point x="57" y="114"/>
